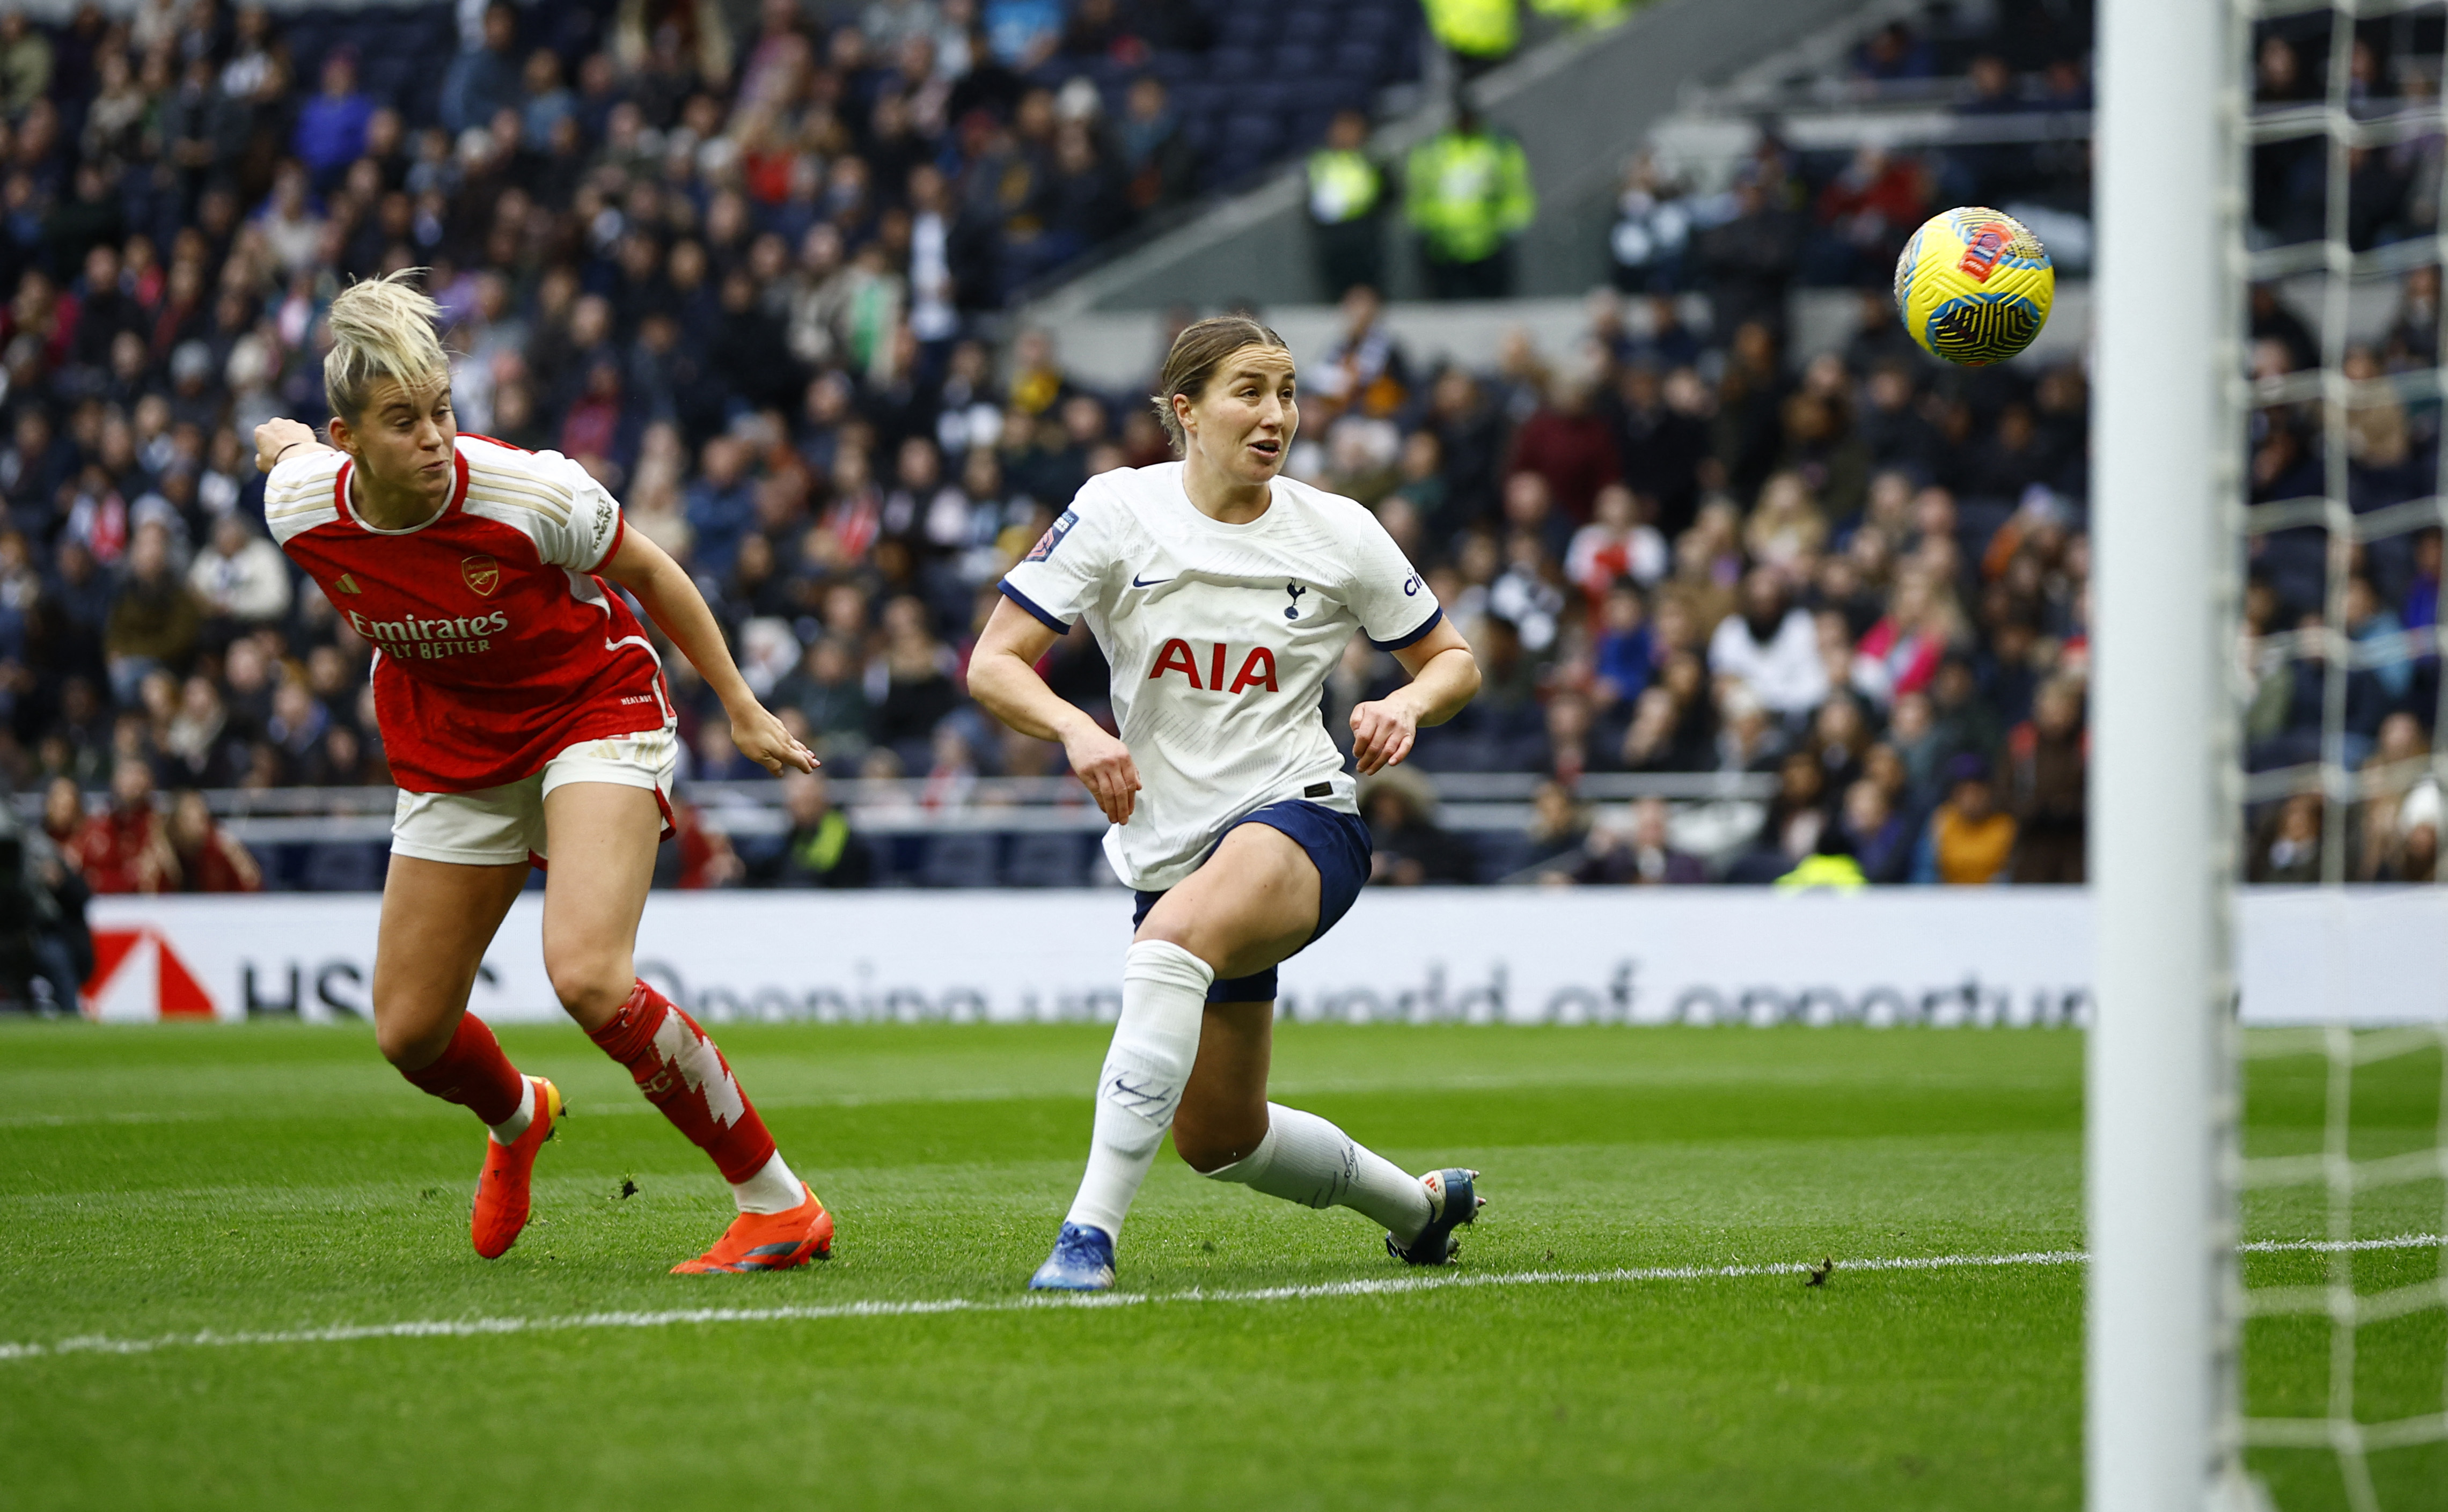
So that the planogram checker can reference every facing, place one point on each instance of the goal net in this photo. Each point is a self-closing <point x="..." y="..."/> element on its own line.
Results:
<point x="2269" y="1294"/>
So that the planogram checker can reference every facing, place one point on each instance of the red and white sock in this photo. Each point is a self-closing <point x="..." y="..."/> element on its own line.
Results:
<point x="472" y="1072"/>
<point x="683" y="1074"/>
<point x="521" y="1119"/>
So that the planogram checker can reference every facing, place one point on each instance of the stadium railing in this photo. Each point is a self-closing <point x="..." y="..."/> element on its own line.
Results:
<point x="326" y="838"/>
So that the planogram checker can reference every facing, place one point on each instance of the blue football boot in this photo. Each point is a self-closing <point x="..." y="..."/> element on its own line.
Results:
<point x="1083" y="1261"/>
<point x="1451" y="1204"/>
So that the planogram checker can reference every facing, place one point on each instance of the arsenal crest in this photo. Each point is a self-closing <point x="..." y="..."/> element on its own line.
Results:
<point x="482" y="575"/>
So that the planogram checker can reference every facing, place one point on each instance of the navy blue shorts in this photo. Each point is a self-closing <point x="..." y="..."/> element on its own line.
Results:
<point x="1337" y="843"/>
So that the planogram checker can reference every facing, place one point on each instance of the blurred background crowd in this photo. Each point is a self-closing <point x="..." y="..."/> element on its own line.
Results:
<point x="1747" y="612"/>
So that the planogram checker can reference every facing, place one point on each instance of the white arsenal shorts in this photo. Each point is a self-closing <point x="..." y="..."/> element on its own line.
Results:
<point x="504" y="825"/>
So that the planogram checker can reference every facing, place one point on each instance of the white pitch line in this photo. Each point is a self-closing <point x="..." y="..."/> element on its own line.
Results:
<point x="2402" y="1241"/>
<point x="482" y="1327"/>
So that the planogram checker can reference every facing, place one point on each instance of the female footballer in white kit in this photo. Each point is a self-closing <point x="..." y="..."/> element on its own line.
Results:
<point x="1222" y="595"/>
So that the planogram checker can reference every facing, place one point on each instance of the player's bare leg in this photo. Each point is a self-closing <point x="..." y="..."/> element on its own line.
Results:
<point x="1223" y="1116"/>
<point x="602" y="838"/>
<point x="1175" y="1056"/>
<point x="1247" y="907"/>
<point x="437" y="919"/>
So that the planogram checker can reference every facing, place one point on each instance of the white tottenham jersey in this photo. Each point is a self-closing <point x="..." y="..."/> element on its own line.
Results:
<point x="1220" y="638"/>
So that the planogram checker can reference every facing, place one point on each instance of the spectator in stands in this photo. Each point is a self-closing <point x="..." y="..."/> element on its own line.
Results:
<point x="199" y="746"/>
<point x="1880" y="840"/>
<point x="64" y="813"/>
<point x="240" y="579"/>
<point x="1638" y="851"/>
<point x="48" y="951"/>
<point x="1346" y="196"/>
<point x="1559" y="828"/>
<point x="819" y="849"/>
<point x="1652" y="230"/>
<point x="1865" y="213"/>
<point x="2046" y="774"/>
<point x="1773" y="647"/>
<point x="1570" y="446"/>
<point x="1365" y="368"/>
<point x="2286" y="845"/>
<point x="915" y="671"/>
<point x="1894" y="53"/>
<point x="1969" y="840"/>
<point x="1467" y="196"/>
<point x="332" y="126"/>
<point x="208" y="859"/>
<point x="1624" y="657"/>
<point x="154" y="618"/>
<point x="1750" y="260"/>
<point x="1158" y="161"/>
<point x="1408" y="849"/>
<point x="700" y="856"/>
<point x="1796" y="820"/>
<point x="127" y="848"/>
<point x="487" y="79"/>
<point x="828" y="691"/>
<point x="2416" y="854"/>
<point x="25" y="64"/>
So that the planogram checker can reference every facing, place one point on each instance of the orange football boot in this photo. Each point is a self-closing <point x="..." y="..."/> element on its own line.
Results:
<point x="502" y="1191"/>
<point x="769" y="1241"/>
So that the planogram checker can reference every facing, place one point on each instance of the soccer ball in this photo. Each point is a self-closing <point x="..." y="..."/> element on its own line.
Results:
<point x="1974" y="286"/>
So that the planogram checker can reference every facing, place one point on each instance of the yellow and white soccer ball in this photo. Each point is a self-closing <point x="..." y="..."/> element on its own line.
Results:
<point x="1974" y="286"/>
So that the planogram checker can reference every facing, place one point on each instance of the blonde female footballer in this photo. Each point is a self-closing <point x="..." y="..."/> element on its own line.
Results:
<point x="525" y="716"/>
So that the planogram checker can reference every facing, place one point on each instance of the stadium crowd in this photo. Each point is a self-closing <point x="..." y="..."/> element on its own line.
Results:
<point x="754" y="291"/>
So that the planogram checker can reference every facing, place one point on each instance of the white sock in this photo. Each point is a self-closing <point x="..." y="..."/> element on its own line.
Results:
<point x="1164" y="1001"/>
<point x="773" y="1189"/>
<point x="516" y="1125"/>
<point x="1307" y="1160"/>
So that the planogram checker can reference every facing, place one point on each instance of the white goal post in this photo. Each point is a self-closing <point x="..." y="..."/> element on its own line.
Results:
<point x="2160" y="1098"/>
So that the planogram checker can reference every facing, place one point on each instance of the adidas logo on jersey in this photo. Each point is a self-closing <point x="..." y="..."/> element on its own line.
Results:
<point x="1257" y="668"/>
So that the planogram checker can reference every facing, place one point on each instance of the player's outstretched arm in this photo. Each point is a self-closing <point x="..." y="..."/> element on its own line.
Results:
<point x="1444" y="675"/>
<point x="1002" y="678"/>
<point x="676" y="607"/>
<point x="276" y="439"/>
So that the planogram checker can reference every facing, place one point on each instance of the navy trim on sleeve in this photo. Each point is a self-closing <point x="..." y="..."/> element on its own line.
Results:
<point x="1060" y="628"/>
<point x="1398" y="642"/>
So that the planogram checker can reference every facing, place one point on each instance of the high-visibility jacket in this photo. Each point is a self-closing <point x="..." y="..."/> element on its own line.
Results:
<point x="1342" y="186"/>
<point x="1478" y="28"/>
<point x="1586" y="13"/>
<point x="1838" y="874"/>
<point x="1465" y="194"/>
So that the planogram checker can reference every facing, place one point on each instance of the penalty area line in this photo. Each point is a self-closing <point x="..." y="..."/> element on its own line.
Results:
<point x="487" y="1328"/>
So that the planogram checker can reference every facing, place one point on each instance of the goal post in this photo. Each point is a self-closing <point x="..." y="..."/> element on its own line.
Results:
<point x="2160" y="1108"/>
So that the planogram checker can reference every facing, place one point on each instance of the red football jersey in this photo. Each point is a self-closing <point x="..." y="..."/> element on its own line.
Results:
<point x="495" y="645"/>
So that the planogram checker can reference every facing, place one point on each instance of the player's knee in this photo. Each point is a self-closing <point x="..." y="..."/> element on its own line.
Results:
<point x="1202" y="1155"/>
<point x="590" y="984"/>
<point x="409" y="1047"/>
<point x="1180" y="928"/>
<point x="1208" y="1147"/>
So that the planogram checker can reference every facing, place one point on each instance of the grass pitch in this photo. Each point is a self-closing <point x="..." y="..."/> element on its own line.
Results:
<point x="164" y="1184"/>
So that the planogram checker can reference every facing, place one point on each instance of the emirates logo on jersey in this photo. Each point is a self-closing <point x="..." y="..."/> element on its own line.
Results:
<point x="482" y="575"/>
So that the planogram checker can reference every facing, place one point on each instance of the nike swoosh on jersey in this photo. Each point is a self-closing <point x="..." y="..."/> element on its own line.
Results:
<point x="1150" y="583"/>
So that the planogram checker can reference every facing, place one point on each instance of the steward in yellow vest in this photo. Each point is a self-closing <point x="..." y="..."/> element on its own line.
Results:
<point x="1347" y="197"/>
<point x="1481" y="31"/>
<point x="1466" y="194"/>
